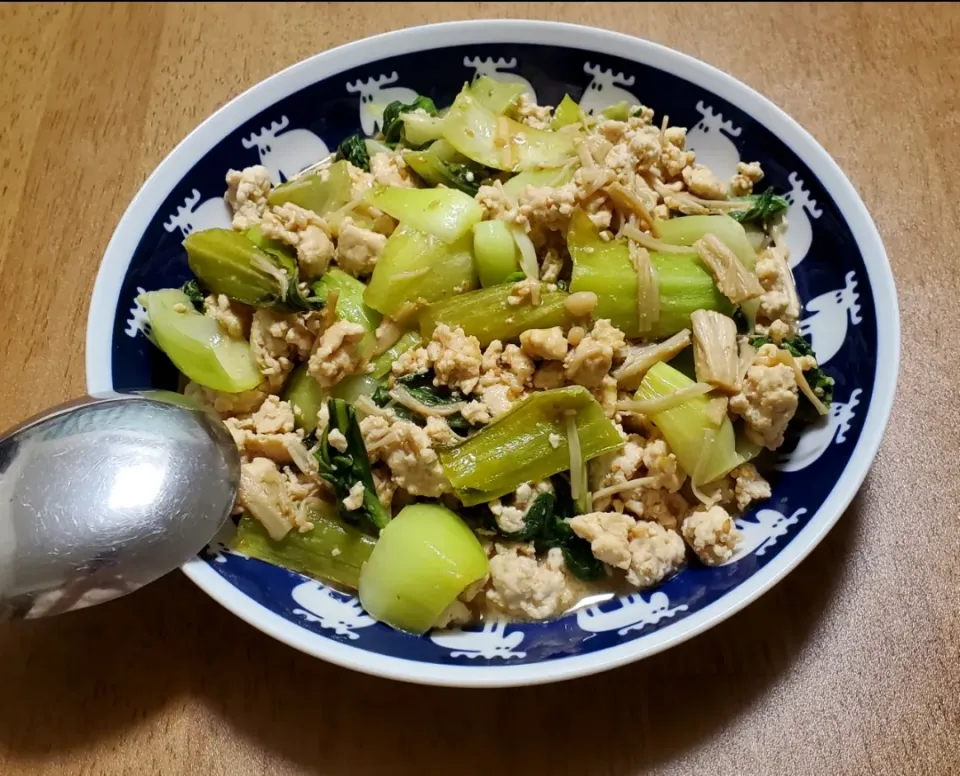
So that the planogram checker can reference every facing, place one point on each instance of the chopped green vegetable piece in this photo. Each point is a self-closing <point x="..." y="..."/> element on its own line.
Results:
<point x="494" y="95"/>
<point x="617" y="112"/>
<point x="306" y="397"/>
<point x="352" y="387"/>
<point x="424" y="559"/>
<point x="344" y="470"/>
<point x="315" y="192"/>
<point x="684" y="426"/>
<point x="383" y="363"/>
<point x="416" y="268"/>
<point x="762" y="208"/>
<point x="686" y="230"/>
<point x="605" y="269"/>
<point x="495" y="252"/>
<point x="516" y="447"/>
<point x="350" y="306"/>
<point x="577" y="553"/>
<point x="393" y="125"/>
<point x="551" y="177"/>
<point x="500" y="142"/>
<point x="332" y="550"/>
<point x="488" y="315"/>
<point x="285" y="257"/>
<point x="228" y="263"/>
<point x="567" y="112"/>
<point x="192" y="289"/>
<point x="197" y="345"/>
<point x="535" y="520"/>
<point x="441" y="165"/>
<point x="354" y="150"/>
<point x="444" y="213"/>
<point x="516" y="277"/>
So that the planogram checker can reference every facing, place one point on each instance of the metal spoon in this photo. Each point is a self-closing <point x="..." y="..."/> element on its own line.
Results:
<point x="103" y="495"/>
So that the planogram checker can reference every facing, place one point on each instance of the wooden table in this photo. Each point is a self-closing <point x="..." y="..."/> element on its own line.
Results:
<point x="850" y="666"/>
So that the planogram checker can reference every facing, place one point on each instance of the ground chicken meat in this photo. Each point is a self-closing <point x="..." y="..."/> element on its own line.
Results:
<point x="390" y="170"/>
<point x="455" y="358"/>
<point x="305" y="231"/>
<point x="528" y="112"/>
<point x="701" y="181"/>
<point x="233" y="316"/>
<point x="266" y="433"/>
<point x="768" y="400"/>
<point x="749" y="486"/>
<point x="779" y="300"/>
<point x="747" y="175"/>
<point x="228" y="404"/>
<point x="358" y="249"/>
<point x="512" y="518"/>
<point x="263" y="493"/>
<point x="354" y="499"/>
<point x="278" y="340"/>
<point x="406" y="449"/>
<point x="647" y="552"/>
<point x="526" y="587"/>
<point x="246" y="195"/>
<point x="549" y="375"/>
<point x="606" y="394"/>
<point x="662" y="465"/>
<point x="590" y="361"/>
<point x="711" y="534"/>
<point x="476" y="413"/>
<point x="525" y="291"/>
<point x="440" y="432"/>
<point x="550" y="344"/>
<point x="337" y="353"/>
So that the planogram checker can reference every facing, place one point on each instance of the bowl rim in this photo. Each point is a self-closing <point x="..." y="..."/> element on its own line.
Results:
<point x="206" y="135"/>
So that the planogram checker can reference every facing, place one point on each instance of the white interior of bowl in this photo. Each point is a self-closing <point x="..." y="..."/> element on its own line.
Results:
<point x="263" y="95"/>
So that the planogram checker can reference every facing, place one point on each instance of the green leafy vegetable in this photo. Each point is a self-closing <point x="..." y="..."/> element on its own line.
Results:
<point x="447" y="214"/>
<point x="354" y="150"/>
<point x="421" y="388"/>
<point x="567" y="112"/>
<point x="306" y="397"/>
<point x="763" y="207"/>
<point x="332" y="550"/>
<point x="442" y="165"/>
<point x="617" y="112"/>
<point x="535" y="520"/>
<point x="393" y="131"/>
<point x="495" y="95"/>
<point x="344" y="470"/>
<point x="192" y="290"/>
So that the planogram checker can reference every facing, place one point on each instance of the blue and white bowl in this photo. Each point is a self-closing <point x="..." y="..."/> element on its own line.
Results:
<point x="293" y="118"/>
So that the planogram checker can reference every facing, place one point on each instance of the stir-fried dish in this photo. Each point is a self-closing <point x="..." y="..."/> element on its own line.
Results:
<point x="498" y="360"/>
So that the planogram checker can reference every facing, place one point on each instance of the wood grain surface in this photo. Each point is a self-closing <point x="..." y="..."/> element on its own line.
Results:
<point x="849" y="666"/>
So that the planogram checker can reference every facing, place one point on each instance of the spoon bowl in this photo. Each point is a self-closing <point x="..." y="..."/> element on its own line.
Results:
<point x="103" y="495"/>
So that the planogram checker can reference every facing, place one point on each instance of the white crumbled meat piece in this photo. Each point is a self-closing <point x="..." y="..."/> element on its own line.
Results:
<point x="246" y="195"/>
<point x="505" y="374"/>
<point x="527" y="290"/>
<point x="498" y="399"/>
<point x="390" y="170"/>
<point x="647" y="552"/>
<point x="528" y="112"/>
<point x="779" y="330"/>
<point x="305" y="231"/>
<point x="590" y="361"/>
<point x="619" y="466"/>
<point x="635" y="149"/>
<point x="361" y="181"/>
<point x="606" y="394"/>
<point x="674" y="157"/>
<point x="278" y="340"/>
<point x="266" y="433"/>
<point x="551" y="266"/>
<point x="660" y="506"/>
<point x="702" y="182"/>
<point x="456" y="614"/>
<point x="519" y="366"/>
<point x="228" y="404"/>
<point x="337" y="353"/>
<point x="748" y="174"/>
<point x="358" y="249"/>
<point x="554" y="440"/>
<point x="749" y="486"/>
<point x="233" y="316"/>
<point x="337" y="440"/>
<point x="549" y="344"/>
<point x="768" y="400"/>
<point x="779" y="300"/>
<point x="549" y="375"/>
<point x="526" y="587"/>
<point x="662" y="464"/>
<point x="711" y="534"/>
<point x="406" y="449"/>
<point x="455" y="358"/>
<point x="476" y="413"/>
<point x="512" y="518"/>
<point x="440" y="432"/>
<point x="354" y="499"/>
<point x="415" y="361"/>
<point x="263" y="493"/>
